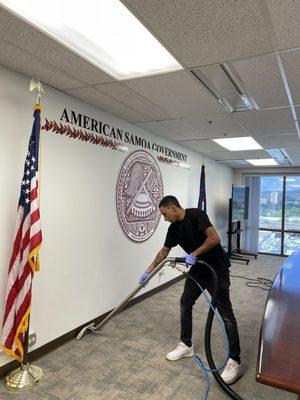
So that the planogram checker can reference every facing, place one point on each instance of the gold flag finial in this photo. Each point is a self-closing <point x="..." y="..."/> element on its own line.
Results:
<point x="36" y="85"/>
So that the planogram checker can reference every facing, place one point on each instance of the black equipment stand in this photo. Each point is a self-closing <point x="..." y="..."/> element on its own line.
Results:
<point x="234" y="234"/>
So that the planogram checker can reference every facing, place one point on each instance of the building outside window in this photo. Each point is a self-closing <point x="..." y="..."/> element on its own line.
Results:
<point x="279" y="214"/>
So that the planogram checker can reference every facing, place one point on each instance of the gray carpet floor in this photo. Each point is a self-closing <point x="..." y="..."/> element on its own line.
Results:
<point x="127" y="361"/>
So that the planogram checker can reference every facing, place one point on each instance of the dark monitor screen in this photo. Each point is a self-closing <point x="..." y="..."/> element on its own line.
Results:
<point x="239" y="203"/>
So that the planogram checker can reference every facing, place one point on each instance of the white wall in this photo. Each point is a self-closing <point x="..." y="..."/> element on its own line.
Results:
<point x="88" y="265"/>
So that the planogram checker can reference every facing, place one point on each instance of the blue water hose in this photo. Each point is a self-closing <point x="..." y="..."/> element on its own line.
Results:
<point x="212" y="311"/>
<point x="198" y="360"/>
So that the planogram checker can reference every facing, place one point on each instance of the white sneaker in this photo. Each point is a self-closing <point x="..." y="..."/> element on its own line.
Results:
<point x="232" y="372"/>
<point x="182" y="350"/>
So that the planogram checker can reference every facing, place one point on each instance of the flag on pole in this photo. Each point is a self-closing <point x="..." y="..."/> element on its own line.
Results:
<point x="24" y="260"/>
<point x="202" y="196"/>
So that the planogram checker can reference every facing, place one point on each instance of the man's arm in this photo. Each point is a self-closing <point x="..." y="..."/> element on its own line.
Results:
<point x="211" y="241"/>
<point x="161" y="255"/>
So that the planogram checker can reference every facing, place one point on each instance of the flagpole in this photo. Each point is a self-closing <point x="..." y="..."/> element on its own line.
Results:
<point x="26" y="345"/>
<point x="34" y="85"/>
<point x="27" y="376"/>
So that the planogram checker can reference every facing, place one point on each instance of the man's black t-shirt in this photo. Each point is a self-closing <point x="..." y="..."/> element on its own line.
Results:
<point x="189" y="234"/>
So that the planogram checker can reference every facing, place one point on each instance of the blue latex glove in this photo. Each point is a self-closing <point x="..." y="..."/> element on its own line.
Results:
<point x="190" y="260"/>
<point x="144" y="277"/>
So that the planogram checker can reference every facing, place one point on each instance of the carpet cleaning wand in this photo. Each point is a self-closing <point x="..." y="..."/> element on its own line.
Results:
<point x="173" y="261"/>
<point x="96" y="328"/>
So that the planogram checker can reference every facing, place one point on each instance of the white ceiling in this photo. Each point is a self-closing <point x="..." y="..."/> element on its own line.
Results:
<point x="259" y="40"/>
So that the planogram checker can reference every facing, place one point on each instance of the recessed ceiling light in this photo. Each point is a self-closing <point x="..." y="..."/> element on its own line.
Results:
<point x="262" y="162"/>
<point x="238" y="143"/>
<point x="103" y="32"/>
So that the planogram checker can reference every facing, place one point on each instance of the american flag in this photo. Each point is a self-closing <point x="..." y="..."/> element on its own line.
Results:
<point x="202" y="196"/>
<point x="24" y="261"/>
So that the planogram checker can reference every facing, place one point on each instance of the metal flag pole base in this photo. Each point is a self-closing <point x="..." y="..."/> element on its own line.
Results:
<point x="23" y="378"/>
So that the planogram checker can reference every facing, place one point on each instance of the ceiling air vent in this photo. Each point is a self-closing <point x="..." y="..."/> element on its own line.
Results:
<point x="222" y="81"/>
<point x="280" y="156"/>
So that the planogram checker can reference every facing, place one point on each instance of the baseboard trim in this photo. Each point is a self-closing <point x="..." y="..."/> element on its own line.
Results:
<point x="54" y="344"/>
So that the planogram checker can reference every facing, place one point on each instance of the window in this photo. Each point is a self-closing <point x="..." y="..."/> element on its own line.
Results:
<point x="292" y="204"/>
<point x="269" y="242"/>
<point x="279" y="215"/>
<point x="291" y="242"/>
<point x="270" y="214"/>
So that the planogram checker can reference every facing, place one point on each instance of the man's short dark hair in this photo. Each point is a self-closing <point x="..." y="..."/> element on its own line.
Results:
<point x="169" y="201"/>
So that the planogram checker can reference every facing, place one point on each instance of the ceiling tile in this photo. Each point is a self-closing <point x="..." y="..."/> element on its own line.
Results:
<point x="215" y="126"/>
<point x="236" y="163"/>
<point x="267" y="122"/>
<point x="197" y="147"/>
<point x="122" y="93"/>
<point x="240" y="155"/>
<point x="106" y="103"/>
<point x="182" y="130"/>
<point x="298" y="112"/>
<point x="201" y="32"/>
<point x="291" y="63"/>
<point x="178" y="131"/>
<point x="285" y="15"/>
<point x="278" y="141"/>
<point x="159" y="129"/>
<point x="202" y="145"/>
<point x="294" y="154"/>
<point x="177" y="93"/>
<point x="21" y="61"/>
<point x="25" y="36"/>
<point x="262" y="78"/>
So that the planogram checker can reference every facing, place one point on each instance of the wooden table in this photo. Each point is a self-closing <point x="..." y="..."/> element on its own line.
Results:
<point x="278" y="362"/>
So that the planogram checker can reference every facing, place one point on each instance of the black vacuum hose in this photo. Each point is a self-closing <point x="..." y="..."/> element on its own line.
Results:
<point x="208" y="326"/>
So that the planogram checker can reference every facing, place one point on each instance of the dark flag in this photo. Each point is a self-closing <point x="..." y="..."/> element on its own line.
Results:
<point x="202" y="196"/>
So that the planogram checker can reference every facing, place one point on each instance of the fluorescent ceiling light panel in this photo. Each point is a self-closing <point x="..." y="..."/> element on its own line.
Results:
<point x="238" y="143"/>
<point x="103" y="32"/>
<point x="224" y="84"/>
<point x="262" y="162"/>
<point x="281" y="156"/>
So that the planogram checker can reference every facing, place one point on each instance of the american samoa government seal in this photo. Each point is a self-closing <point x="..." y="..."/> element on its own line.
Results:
<point x="139" y="191"/>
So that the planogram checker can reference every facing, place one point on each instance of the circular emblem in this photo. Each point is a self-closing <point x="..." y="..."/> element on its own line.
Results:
<point x="139" y="190"/>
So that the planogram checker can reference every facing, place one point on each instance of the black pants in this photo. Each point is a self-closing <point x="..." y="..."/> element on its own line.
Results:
<point x="189" y="296"/>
